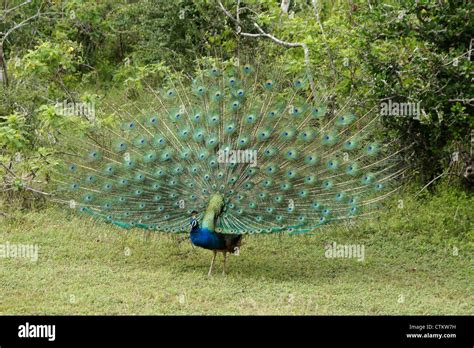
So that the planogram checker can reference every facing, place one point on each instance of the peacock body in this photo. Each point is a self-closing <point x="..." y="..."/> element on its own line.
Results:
<point x="245" y="149"/>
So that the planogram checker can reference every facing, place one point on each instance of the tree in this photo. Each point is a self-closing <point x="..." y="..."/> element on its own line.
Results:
<point x="9" y="16"/>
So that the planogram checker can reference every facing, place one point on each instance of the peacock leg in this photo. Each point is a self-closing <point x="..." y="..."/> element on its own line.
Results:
<point x="225" y="259"/>
<point x="212" y="263"/>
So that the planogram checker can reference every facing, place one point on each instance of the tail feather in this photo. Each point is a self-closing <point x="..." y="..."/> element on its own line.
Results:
<point x="282" y="161"/>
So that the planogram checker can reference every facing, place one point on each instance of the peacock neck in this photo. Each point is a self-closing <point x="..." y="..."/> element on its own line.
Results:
<point x="213" y="210"/>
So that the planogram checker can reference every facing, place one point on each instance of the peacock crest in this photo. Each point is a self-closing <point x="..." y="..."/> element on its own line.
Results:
<point x="279" y="158"/>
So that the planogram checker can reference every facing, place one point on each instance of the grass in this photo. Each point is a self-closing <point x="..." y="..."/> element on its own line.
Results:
<point x="88" y="267"/>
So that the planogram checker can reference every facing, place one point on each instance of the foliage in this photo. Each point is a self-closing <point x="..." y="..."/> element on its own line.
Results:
<point x="419" y="52"/>
<point x="363" y="51"/>
<point x="135" y="78"/>
<point x="406" y="51"/>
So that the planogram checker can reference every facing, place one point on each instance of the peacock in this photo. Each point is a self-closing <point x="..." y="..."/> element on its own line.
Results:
<point x="235" y="149"/>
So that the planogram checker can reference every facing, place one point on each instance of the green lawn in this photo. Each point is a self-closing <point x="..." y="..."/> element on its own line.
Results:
<point x="88" y="267"/>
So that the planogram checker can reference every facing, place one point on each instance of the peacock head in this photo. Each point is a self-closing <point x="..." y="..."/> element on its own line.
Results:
<point x="194" y="214"/>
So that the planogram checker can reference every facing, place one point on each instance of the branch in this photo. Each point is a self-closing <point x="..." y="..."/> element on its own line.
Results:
<point x="465" y="101"/>
<point x="7" y="11"/>
<point x="318" y="19"/>
<point x="278" y="41"/>
<point x="227" y="13"/>
<point x="262" y="33"/>
<point x="37" y="191"/>
<point x="432" y="181"/>
<point x="8" y="170"/>
<point x="237" y="13"/>
<point x="18" y="26"/>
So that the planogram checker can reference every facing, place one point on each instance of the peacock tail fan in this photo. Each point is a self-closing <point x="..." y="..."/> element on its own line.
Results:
<point x="280" y="159"/>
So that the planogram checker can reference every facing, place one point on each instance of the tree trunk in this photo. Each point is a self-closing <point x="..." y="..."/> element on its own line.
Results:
<point x="285" y="5"/>
<point x="3" y="67"/>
